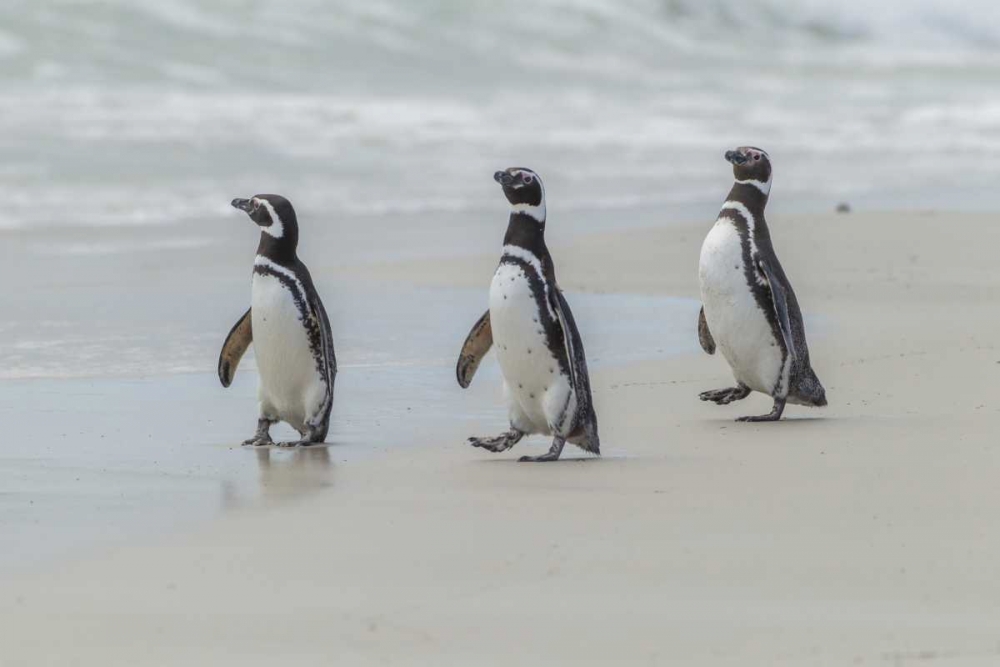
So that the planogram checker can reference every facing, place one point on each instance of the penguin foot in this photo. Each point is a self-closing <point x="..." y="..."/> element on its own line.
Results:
<point x="773" y="416"/>
<point x="296" y="443"/>
<point x="551" y="455"/>
<point x="262" y="438"/>
<point x="548" y="456"/>
<point x="770" y="417"/>
<point x="500" y="443"/>
<point x="725" y="396"/>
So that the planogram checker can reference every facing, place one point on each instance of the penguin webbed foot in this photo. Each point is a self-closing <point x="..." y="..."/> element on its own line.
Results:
<point x="725" y="396"/>
<point x="500" y="443"/>
<point x="262" y="438"/>
<point x="773" y="416"/>
<point x="552" y="455"/>
<point x="291" y="444"/>
<point x="310" y="436"/>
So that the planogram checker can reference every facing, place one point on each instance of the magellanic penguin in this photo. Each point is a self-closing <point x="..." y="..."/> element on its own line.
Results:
<point x="545" y="380"/>
<point x="289" y="329"/>
<point x="749" y="310"/>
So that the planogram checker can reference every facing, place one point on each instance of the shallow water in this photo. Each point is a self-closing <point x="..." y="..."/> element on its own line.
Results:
<point x="91" y="460"/>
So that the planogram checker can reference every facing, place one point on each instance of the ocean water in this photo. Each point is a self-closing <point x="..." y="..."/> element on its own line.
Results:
<point x="142" y="112"/>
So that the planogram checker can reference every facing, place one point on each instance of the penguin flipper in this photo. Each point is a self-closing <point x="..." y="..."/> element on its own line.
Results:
<point x="704" y="335"/>
<point x="326" y="333"/>
<point x="477" y="344"/>
<point x="779" y="297"/>
<point x="579" y="375"/>
<point x="318" y="322"/>
<point x="237" y="342"/>
<point x="322" y="423"/>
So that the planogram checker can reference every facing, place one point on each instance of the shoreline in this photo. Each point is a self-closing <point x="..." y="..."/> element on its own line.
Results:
<point x="842" y="535"/>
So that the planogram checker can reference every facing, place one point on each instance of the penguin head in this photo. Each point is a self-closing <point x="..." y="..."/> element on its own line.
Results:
<point x="275" y="217"/>
<point x="751" y="165"/>
<point x="521" y="186"/>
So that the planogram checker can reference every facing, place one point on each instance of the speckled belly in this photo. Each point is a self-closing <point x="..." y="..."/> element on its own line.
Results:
<point x="738" y="325"/>
<point x="536" y="389"/>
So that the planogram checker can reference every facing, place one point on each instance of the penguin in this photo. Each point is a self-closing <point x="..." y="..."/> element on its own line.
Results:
<point x="545" y="381"/>
<point x="289" y="328"/>
<point x="749" y="310"/>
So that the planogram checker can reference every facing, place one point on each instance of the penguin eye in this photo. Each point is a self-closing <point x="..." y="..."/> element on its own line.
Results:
<point x="756" y="157"/>
<point x="528" y="180"/>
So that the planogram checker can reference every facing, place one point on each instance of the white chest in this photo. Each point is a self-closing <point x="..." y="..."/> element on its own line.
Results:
<point x="518" y="332"/>
<point x="281" y="344"/>
<point x="737" y="323"/>
<point x="530" y="370"/>
<point x="721" y="268"/>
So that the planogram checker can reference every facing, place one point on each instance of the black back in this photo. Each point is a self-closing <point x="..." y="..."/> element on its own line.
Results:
<point x="750" y="195"/>
<point x="526" y="230"/>
<point x="279" y="239"/>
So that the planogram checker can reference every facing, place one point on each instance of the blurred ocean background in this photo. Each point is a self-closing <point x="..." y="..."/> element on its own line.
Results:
<point x="127" y="126"/>
<point x="144" y="112"/>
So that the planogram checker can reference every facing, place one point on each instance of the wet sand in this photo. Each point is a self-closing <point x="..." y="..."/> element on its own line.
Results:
<point x="858" y="534"/>
<point x="117" y="427"/>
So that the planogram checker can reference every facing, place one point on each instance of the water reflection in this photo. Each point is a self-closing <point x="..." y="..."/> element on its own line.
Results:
<point x="291" y="474"/>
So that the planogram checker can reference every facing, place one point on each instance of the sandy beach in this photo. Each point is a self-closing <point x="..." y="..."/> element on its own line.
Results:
<point x="860" y="534"/>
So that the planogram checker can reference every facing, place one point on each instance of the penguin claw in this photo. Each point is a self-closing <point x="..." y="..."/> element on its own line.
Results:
<point x="257" y="442"/>
<point x="500" y="443"/>
<point x="773" y="416"/>
<point x="485" y="443"/>
<point x="291" y="444"/>
<point x="714" y="396"/>
<point x="544" y="458"/>
<point x="552" y="455"/>
<point x="725" y="396"/>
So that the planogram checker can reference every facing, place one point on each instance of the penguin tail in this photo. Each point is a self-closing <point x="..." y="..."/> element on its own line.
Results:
<point x="810" y="391"/>
<point x="586" y="438"/>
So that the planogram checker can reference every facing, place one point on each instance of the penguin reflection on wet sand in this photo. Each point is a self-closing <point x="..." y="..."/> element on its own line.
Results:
<point x="289" y="329"/>
<point x="749" y="310"/>
<point x="545" y="380"/>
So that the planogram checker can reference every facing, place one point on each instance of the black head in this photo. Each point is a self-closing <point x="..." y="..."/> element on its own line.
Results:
<point x="751" y="164"/>
<point x="522" y="187"/>
<point x="278" y="225"/>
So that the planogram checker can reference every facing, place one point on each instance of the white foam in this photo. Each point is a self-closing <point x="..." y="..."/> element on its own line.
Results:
<point x="84" y="249"/>
<point x="118" y="120"/>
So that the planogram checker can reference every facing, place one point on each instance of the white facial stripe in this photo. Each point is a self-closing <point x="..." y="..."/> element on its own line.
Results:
<point x="277" y="228"/>
<point x="763" y="186"/>
<point x="536" y="212"/>
<point x="536" y="265"/>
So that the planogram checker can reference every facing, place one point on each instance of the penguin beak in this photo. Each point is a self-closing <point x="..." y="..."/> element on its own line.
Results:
<point x="242" y="204"/>
<point x="503" y="178"/>
<point x="736" y="157"/>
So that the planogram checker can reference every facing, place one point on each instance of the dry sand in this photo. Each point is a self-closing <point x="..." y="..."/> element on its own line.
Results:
<point x="863" y="533"/>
